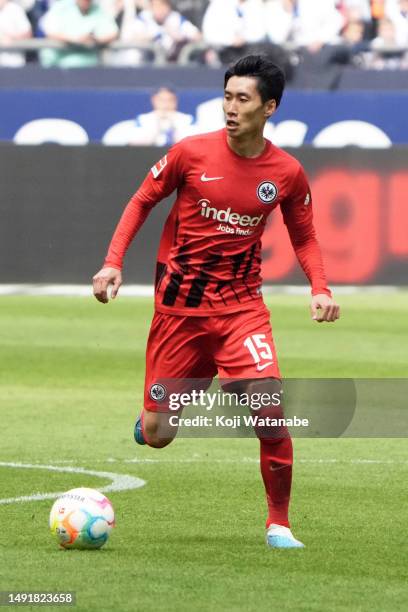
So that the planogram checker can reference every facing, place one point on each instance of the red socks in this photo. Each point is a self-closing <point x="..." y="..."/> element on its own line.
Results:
<point x="276" y="470"/>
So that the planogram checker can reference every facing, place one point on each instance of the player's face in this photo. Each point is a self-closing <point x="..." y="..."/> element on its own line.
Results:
<point x="245" y="113"/>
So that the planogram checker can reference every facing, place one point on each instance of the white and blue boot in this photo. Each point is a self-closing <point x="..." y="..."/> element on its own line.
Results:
<point x="278" y="536"/>
<point x="138" y="432"/>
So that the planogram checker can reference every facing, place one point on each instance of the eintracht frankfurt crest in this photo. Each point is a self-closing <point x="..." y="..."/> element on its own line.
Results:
<point x="158" y="392"/>
<point x="267" y="192"/>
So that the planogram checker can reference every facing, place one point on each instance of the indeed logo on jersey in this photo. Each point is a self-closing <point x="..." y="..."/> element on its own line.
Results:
<point x="226" y="216"/>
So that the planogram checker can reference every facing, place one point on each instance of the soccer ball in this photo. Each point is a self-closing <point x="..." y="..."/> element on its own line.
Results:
<point x="82" y="518"/>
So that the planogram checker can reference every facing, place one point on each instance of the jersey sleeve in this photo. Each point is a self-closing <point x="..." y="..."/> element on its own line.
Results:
<point x="297" y="210"/>
<point x="162" y="179"/>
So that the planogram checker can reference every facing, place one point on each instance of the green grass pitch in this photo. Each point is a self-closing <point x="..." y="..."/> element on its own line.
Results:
<point x="192" y="539"/>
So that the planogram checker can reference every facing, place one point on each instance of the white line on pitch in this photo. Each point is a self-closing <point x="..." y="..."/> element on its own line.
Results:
<point x="255" y="460"/>
<point x="147" y="461"/>
<point x="119" y="482"/>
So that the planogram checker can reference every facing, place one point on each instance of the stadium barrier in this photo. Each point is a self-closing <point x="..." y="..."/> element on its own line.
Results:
<point x="155" y="50"/>
<point x="60" y="206"/>
<point x="187" y="53"/>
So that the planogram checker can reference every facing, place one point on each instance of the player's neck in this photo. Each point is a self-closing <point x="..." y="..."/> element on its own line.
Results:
<point x="247" y="146"/>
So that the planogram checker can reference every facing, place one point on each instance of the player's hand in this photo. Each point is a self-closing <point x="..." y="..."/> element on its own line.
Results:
<point x="324" y="308"/>
<point x="103" y="280"/>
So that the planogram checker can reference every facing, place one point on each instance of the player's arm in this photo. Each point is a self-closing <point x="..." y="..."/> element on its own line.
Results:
<point x="161" y="181"/>
<point x="298" y="217"/>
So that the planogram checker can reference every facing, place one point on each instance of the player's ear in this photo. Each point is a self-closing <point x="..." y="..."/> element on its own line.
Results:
<point x="269" y="108"/>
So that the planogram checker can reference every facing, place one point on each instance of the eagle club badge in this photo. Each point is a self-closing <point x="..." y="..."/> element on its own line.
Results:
<point x="267" y="192"/>
<point x="158" y="392"/>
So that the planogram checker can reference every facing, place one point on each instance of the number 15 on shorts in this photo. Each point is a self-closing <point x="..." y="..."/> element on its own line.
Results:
<point x="260" y="350"/>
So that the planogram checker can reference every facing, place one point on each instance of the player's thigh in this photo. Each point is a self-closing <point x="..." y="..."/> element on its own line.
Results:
<point x="178" y="360"/>
<point x="245" y="346"/>
<point x="248" y="365"/>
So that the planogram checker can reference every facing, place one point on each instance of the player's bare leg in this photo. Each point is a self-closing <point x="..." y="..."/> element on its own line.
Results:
<point x="156" y="429"/>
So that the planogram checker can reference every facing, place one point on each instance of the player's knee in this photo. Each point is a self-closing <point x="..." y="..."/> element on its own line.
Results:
<point x="155" y="442"/>
<point x="266" y="403"/>
<point x="156" y="439"/>
<point x="157" y="429"/>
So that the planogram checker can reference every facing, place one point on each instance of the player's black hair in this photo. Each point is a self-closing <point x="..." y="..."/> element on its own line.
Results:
<point x="270" y="78"/>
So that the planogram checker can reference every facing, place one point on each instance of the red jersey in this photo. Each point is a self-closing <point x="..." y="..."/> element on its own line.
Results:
<point x="209" y="259"/>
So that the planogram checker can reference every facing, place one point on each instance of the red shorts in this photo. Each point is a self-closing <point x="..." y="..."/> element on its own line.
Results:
<point x="234" y="346"/>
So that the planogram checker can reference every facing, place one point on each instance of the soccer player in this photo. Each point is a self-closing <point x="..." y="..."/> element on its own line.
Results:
<point x="209" y="312"/>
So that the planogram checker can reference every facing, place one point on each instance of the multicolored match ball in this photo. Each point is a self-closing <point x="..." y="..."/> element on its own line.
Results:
<point x="82" y="518"/>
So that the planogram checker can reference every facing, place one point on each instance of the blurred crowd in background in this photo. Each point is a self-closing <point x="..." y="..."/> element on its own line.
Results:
<point x="370" y="34"/>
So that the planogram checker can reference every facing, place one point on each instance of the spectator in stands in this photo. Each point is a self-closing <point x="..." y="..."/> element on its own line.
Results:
<point x="280" y="19"/>
<point x="164" y="125"/>
<point x="386" y="51"/>
<point x="125" y="13"/>
<point x="357" y="11"/>
<point x="252" y="16"/>
<point x="26" y="5"/>
<point x="351" y="46"/>
<point x="160" y="24"/>
<point x="387" y="36"/>
<point x="352" y="35"/>
<point x="83" y="26"/>
<point x="397" y="11"/>
<point x="233" y="28"/>
<point x="14" y="27"/>
<point x="193" y="10"/>
<point x="318" y="24"/>
<point x="377" y="9"/>
<point x="35" y="11"/>
<point x="117" y="8"/>
<point x="233" y="23"/>
<point x="222" y="27"/>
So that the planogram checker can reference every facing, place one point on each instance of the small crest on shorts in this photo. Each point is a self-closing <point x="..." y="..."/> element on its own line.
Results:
<point x="158" y="392"/>
<point x="267" y="192"/>
<point x="307" y="199"/>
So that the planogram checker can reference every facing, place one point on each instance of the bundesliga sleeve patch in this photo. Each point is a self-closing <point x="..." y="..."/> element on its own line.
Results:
<point x="159" y="167"/>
